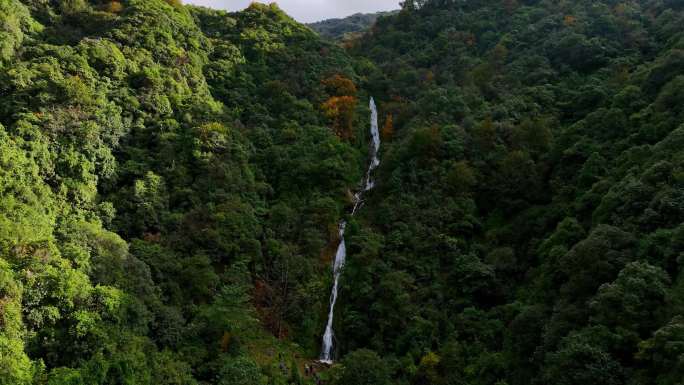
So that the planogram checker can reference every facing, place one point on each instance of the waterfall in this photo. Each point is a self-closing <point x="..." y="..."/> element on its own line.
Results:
<point x="340" y="257"/>
<point x="341" y="254"/>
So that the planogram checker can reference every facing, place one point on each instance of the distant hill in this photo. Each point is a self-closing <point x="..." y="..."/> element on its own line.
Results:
<point x="338" y="29"/>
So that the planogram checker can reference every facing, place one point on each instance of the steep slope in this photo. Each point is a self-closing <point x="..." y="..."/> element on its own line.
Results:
<point x="527" y="224"/>
<point x="168" y="183"/>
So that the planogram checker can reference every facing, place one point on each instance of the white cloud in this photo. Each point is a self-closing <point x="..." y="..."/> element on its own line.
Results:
<point x="309" y="10"/>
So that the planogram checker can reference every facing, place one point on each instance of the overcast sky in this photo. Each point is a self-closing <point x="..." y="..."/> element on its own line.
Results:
<point x="309" y="10"/>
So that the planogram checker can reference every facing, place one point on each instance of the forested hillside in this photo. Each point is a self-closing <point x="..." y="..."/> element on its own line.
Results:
<point x="527" y="225"/>
<point x="172" y="178"/>
<point x="348" y="27"/>
<point x="168" y="185"/>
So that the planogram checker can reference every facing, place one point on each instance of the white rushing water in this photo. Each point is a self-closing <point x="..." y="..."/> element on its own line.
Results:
<point x="341" y="255"/>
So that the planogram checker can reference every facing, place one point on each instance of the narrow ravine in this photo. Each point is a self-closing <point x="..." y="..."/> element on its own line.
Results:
<point x="341" y="254"/>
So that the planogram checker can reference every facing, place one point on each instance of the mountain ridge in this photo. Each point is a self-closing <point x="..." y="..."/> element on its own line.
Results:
<point x="346" y="28"/>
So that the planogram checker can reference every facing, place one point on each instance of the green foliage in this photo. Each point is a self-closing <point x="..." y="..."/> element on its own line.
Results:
<point x="17" y="23"/>
<point x="663" y="353"/>
<point x="363" y="367"/>
<point x="634" y="299"/>
<point x="16" y="368"/>
<point x="580" y="363"/>
<point x="239" y="371"/>
<point x="26" y="210"/>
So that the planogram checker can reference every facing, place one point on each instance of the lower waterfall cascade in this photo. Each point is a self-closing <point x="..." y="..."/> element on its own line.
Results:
<point x="341" y="254"/>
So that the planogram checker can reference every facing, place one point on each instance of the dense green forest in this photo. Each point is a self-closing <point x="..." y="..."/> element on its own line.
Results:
<point x="172" y="178"/>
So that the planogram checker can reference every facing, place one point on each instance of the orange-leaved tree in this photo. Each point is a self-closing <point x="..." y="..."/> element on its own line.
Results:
<point x="175" y="3"/>
<point x="339" y="85"/>
<point x="340" y="107"/>
<point x="388" y="127"/>
<point x="113" y="7"/>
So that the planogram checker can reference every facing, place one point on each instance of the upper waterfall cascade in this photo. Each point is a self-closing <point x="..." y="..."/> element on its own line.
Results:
<point x="341" y="254"/>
